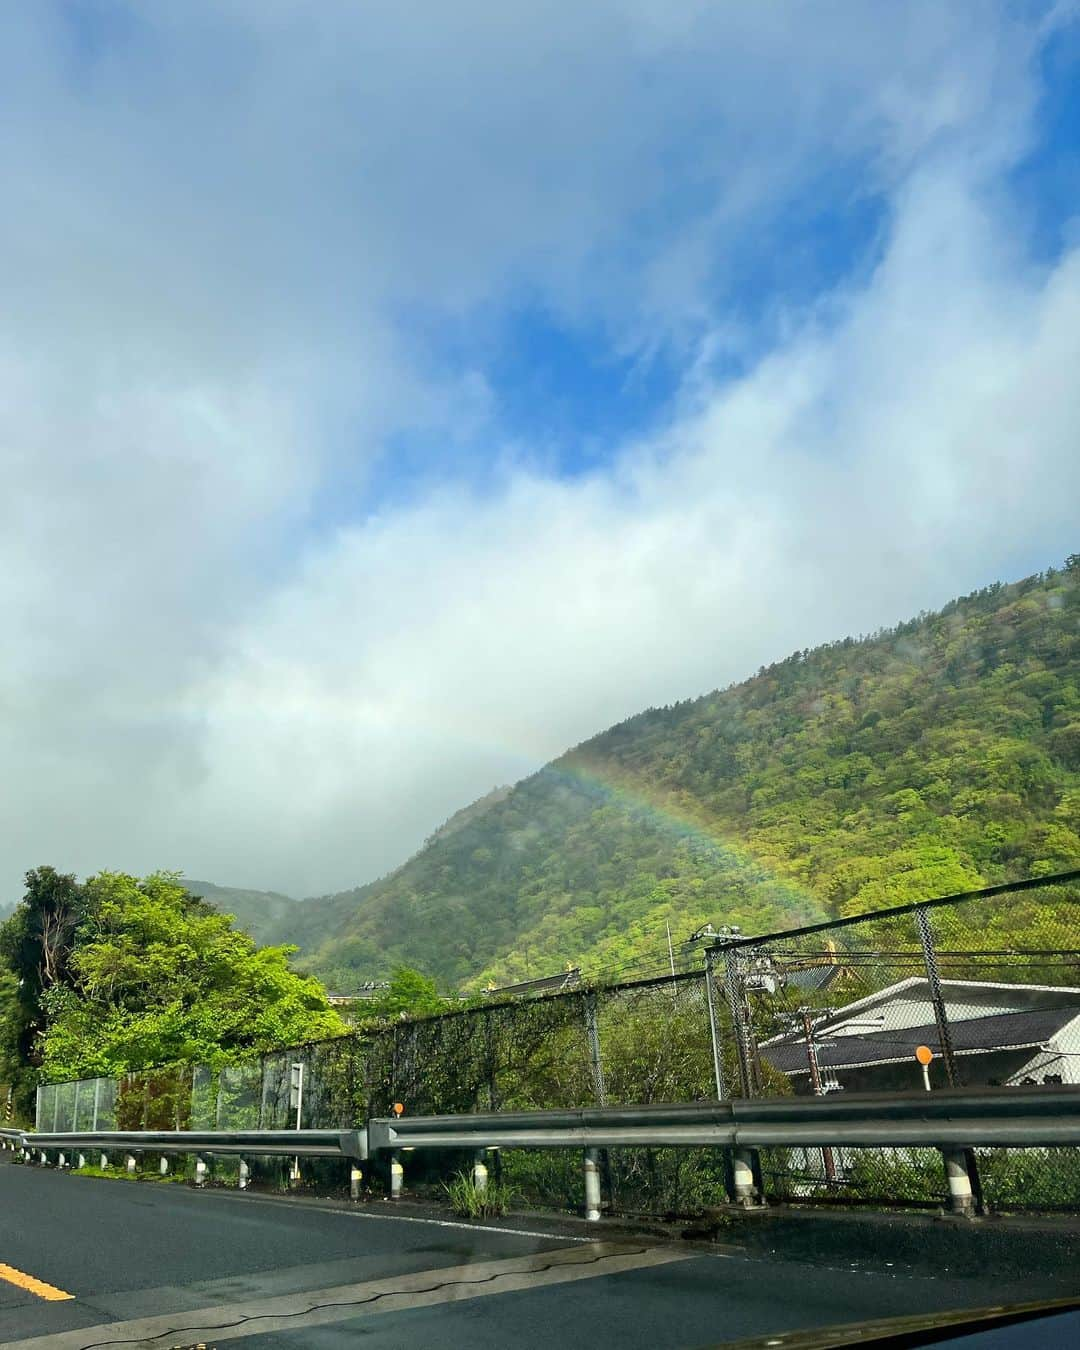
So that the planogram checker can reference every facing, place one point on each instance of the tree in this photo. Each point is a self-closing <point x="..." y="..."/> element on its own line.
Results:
<point x="156" y="976"/>
<point x="36" y="945"/>
<point x="410" y="993"/>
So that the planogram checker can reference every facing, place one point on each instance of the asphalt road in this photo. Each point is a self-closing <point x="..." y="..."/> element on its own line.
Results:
<point x="167" y="1266"/>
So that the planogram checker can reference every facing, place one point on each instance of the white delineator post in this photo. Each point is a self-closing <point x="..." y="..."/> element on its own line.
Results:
<point x="104" y="1162"/>
<point x="244" y="1177"/>
<point x="397" y="1177"/>
<point x="592" y="1186"/>
<point x="200" y="1172"/>
<point x="356" y="1177"/>
<point x="130" y="1164"/>
<point x="163" y="1166"/>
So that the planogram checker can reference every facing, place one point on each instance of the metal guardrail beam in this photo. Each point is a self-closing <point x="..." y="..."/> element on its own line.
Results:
<point x="1019" y="1117"/>
<point x="1006" y="1117"/>
<point x="281" y="1143"/>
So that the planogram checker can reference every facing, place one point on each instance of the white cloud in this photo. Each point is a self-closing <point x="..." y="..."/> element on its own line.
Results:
<point x="216" y="222"/>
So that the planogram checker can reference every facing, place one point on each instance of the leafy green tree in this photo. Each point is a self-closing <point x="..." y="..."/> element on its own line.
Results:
<point x="410" y="994"/>
<point x="36" y="945"/>
<point x="157" y="976"/>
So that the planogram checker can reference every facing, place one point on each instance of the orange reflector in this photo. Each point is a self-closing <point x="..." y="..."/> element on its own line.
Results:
<point x="923" y="1054"/>
<point x="398" y="1108"/>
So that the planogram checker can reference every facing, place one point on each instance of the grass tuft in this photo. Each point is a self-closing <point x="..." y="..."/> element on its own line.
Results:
<point x="466" y="1201"/>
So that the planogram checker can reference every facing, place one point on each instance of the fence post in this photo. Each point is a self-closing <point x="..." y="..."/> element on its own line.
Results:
<point x="973" y="1192"/>
<point x="97" y="1103"/>
<point x="735" y="987"/>
<point x="937" y="998"/>
<point x="718" y="1064"/>
<point x="595" y="1059"/>
<point x="828" y="1162"/>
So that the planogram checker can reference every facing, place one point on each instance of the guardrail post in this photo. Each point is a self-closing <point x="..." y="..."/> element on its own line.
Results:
<point x="129" y="1163"/>
<point x="743" y="1167"/>
<point x="200" y="1171"/>
<point x="243" y="1179"/>
<point x="356" y="1177"/>
<point x="592" y="1185"/>
<point x="480" y="1174"/>
<point x="397" y="1176"/>
<point x="961" y="1196"/>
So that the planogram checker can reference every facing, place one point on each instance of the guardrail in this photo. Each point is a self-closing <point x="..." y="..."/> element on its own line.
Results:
<point x="1020" y="1117"/>
<point x="271" y="1143"/>
<point x="348" y="1145"/>
<point x="952" y="1121"/>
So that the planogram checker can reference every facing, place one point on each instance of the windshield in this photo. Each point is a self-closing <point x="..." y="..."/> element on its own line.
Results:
<point x="541" y="703"/>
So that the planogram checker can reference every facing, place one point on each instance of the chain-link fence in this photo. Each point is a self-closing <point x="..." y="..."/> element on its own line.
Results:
<point x="984" y="988"/>
<point x="964" y="992"/>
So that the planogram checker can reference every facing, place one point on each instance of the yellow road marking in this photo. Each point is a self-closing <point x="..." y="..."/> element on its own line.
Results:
<point x="32" y="1286"/>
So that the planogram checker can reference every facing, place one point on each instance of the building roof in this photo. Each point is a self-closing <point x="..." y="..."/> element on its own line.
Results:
<point x="1028" y="1029"/>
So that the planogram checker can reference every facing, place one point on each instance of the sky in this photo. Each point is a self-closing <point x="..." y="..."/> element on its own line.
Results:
<point x="395" y="395"/>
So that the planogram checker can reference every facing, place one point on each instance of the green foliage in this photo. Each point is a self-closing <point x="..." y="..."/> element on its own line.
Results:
<point x="495" y="1201"/>
<point x="141" y="973"/>
<point x="36" y="944"/>
<point x="410" y="994"/>
<point x="933" y="757"/>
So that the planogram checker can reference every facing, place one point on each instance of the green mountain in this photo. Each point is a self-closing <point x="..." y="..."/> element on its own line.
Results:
<point x="931" y="757"/>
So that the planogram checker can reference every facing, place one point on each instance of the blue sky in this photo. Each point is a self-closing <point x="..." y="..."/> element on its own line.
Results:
<point x="390" y="404"/>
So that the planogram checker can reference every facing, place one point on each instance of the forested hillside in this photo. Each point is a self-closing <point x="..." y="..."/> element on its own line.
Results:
<point x="258" y="913"/>
<point x="925" y="759"/>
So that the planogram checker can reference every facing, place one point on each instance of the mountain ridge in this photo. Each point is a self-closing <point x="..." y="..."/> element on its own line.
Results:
<point x="934" y="756"/>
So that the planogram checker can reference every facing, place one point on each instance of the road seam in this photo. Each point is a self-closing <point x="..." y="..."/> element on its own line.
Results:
<point x="320" y="1307"/>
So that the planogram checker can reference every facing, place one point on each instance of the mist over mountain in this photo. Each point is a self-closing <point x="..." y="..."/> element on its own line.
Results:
<point x="926" y="758"/>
